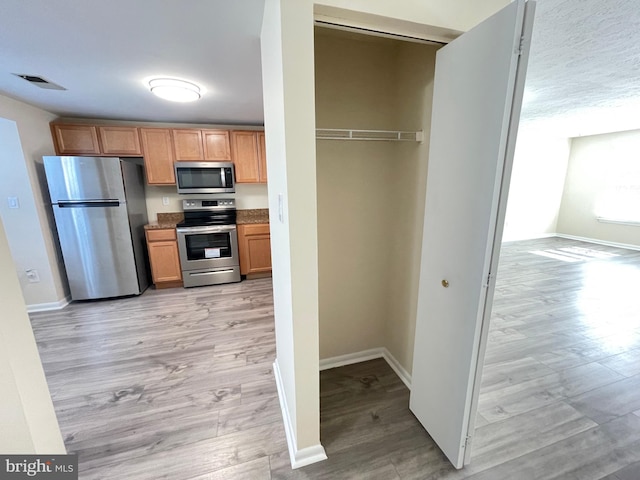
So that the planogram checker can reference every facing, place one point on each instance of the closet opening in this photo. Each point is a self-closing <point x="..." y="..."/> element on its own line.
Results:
<point x="373" y="113"/>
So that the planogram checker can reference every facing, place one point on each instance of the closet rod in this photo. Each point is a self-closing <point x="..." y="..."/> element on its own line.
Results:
<point x="384" y="135"/>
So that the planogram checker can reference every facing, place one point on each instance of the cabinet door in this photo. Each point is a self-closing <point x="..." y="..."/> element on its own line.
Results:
<point x="158" y="156"/>
<point x="255" y="248"/>
<point x="123" y="141"/>
<point x="165" y="262"/>
<point x="188" y="144"/>
<point x="245" y="156"/>
<point x="262" y="157"/>
<point x="75" y="139"/>
<point x="216" y="145"/>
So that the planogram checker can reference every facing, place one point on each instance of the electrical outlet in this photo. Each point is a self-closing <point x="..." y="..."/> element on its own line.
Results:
<point x="280" y="208"/>
<point x="165" y="201"/>
<point x="13" y="202"/>
<point x="32" y="275"/>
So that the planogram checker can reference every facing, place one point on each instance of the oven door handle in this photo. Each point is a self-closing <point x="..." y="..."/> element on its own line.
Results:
<point x="209" y="229"/>
<point x="213" y="272"/>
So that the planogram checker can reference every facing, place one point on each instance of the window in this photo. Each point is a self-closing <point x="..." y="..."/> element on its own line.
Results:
<point x="619" y="198"/>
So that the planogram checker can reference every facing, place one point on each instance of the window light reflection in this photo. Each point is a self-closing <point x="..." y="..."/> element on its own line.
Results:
<point x="610" y="304"/>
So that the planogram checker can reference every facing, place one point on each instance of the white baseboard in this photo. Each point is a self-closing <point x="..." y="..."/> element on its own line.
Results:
<point x="305" y="456"/>
<point x="399" y="369"/>
<point x="628" y="246"/>
<point x="351" y="358"/>
<point x="365" y="355"/>
<point x="531" y="237"/>
<point x="47" y="307"/>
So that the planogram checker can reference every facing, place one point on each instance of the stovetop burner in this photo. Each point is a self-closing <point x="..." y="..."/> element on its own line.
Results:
<point x="202" y="213"/>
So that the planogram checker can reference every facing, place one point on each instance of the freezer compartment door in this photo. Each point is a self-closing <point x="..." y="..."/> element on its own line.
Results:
<point x="84" y="178"/>
<point x="97" y="249"/>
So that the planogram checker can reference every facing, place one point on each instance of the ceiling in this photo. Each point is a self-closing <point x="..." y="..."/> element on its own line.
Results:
<point x="102" y="50"/>
<point x="584" y="70"/>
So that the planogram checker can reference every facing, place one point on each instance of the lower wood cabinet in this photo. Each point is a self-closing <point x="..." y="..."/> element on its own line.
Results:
<point x="163" y="257"/>
<point x="254" y="245"/>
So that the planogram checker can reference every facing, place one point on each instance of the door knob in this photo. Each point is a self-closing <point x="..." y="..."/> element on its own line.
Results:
<point x="445" y="283"/>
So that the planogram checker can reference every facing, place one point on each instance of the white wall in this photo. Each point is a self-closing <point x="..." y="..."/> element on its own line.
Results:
<point x="24" y="138"/>
<point x="370" y="194"/>
<point x="537" y="183"/>
<point x="288" y="79"/>
<point x="416" y="67"/>
<point x="355" y="87"/>
<point x="284" y="43"/>
<point x="593" y="165"/>
<point x="430" y="18"/>
<point x="27" y="419"/>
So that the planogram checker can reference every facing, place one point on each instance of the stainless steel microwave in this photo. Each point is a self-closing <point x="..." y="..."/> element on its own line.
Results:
<point x="205" y="177"/>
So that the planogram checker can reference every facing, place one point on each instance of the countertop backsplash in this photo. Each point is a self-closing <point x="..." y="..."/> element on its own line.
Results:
<point x="248" y="197"/>
<point x="169" y="219"/>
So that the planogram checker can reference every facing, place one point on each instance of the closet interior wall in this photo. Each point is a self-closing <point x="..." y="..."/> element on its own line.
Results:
<point x="370" y="193"/>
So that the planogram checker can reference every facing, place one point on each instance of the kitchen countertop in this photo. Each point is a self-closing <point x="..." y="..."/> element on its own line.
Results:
<point x="255" y="215"/>
<point x="165" y="220"/>
<point x="169" y="220"/>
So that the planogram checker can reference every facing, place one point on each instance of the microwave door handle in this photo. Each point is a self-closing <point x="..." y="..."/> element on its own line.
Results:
<point x="223" y="177"/>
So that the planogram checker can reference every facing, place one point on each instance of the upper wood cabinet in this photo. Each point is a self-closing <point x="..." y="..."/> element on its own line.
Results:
<point x="249" y="156"/>
<point x="201" y="145"/>
<point x="158" y="156"/>
<point x="123" y="141"/>
<point x="262" y="157"/>
<point x="188" y="144"/>
<point x="216" y="145"/>
<point x="75" y="139"/>
<point x="161" y="147"/>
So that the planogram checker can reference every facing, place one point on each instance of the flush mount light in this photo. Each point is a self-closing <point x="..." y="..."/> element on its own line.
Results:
<point x="174" y="90"/>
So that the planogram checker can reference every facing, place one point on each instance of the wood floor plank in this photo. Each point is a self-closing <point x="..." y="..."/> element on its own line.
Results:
<point x="589" y="455"/>
<point x="503" y="374"/>
<point x="626" y="363"/>
<point x="630" y="472"/>
<point x="537" y="392"/>
<point x="258" y="469"/>
<point x="610" y="401"/>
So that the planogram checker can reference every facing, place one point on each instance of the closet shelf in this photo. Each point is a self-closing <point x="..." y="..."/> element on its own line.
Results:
<point x="386" y="135"/>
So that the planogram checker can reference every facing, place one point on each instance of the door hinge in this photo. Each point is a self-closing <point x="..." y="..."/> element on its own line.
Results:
<point x="467" y="441"/>
<point x="520" y="48"/>
<point x="488" y="280"/>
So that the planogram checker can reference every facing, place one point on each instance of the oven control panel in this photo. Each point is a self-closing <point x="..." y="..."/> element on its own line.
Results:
<point x="206" y="204"/>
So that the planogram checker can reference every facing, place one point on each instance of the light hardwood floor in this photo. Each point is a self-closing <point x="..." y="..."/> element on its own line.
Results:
<point x="178" y="384"/>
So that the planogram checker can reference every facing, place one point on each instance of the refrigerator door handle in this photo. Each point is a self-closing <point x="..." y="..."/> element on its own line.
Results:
<point x="110" y="202"/>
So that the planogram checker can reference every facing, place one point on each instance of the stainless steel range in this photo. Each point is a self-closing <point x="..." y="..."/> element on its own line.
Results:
<point x="208" y="242"/>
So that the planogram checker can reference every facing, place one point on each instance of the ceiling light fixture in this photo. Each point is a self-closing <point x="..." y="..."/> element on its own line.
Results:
<point x="174" y="90"/>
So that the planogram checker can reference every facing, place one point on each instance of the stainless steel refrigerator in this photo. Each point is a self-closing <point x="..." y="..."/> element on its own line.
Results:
<point x="100" y="212"/>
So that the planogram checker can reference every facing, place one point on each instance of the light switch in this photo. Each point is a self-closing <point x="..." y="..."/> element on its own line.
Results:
<point x="280" y="208"/>
<point x="13" y="202"/>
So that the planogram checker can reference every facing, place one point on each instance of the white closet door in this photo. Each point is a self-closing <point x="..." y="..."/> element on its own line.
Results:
<point x="477" y="96"/>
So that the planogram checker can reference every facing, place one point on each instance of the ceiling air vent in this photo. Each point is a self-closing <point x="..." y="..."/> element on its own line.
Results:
<point x="40" y="82"/>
